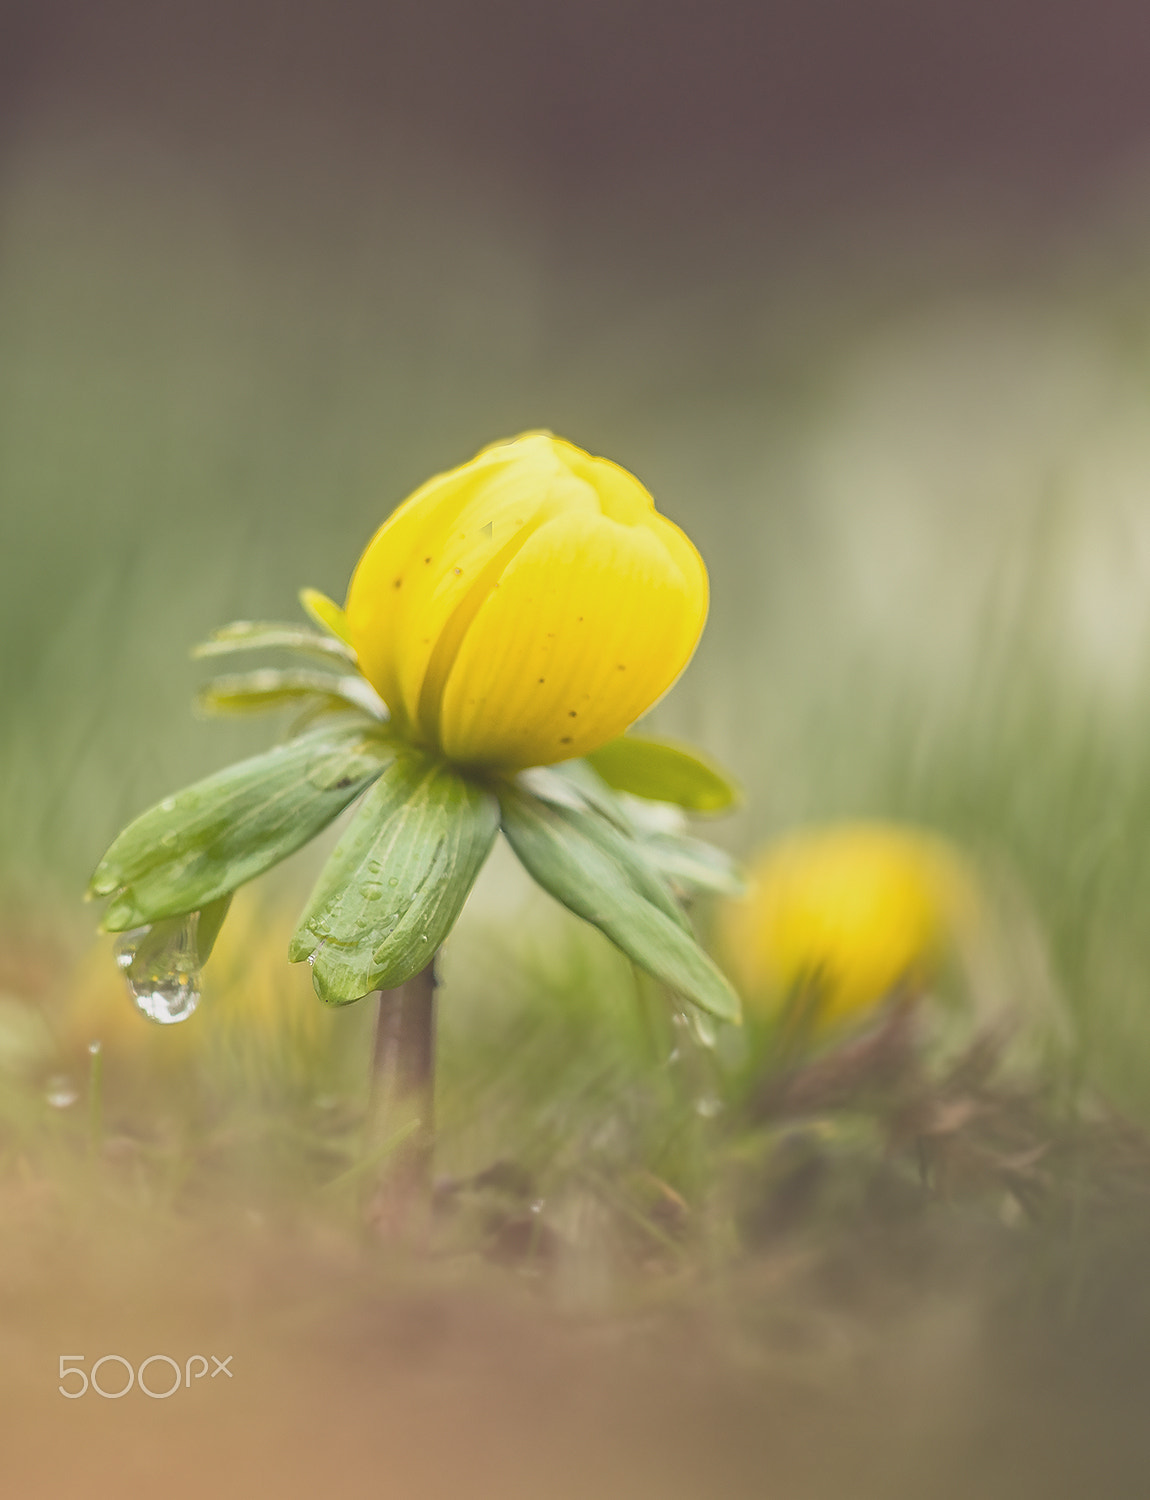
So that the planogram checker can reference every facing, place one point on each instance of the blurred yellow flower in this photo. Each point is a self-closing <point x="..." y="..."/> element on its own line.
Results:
<point x="843" y="917"/>
<point x="526" y="607"/>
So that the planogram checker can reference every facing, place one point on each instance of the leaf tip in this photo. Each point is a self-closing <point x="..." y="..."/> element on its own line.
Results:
<point x="303" y="945"/>
<point x="121" y="915"/>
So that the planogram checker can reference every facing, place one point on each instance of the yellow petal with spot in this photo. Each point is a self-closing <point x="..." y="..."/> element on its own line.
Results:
<point x="590" y="623"/>
<point x="533" y="561"/>
<point x="375" y="602"/>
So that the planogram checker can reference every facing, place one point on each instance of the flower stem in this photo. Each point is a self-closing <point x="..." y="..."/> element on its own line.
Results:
<point x="403" y="1095"/>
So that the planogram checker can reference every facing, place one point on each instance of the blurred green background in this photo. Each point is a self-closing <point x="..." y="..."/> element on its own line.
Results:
<point x="883" y="350"/>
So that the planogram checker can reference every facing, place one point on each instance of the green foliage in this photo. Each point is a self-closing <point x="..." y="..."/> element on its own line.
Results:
<point x="693" y="864"/>
<point x="194" y="847"/>
<point x="263" y="635"/>
<point x="602" y="876"/>
<point x="664" y="772"/>
<point x="397" y="880"/>
<point x="268" y="689"/>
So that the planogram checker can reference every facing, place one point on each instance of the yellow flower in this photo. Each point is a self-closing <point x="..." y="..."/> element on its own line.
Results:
<point x="526" y="607"/>
<point x="847" y="915"/>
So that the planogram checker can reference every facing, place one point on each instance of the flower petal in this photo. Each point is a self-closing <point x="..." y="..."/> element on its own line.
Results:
<point x="590" y="623"/>
<point x="406" y="587"/>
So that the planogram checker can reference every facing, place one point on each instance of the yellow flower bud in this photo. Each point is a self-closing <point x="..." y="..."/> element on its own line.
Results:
<point x="846" y="916"/>
<point x="526" y="607"/>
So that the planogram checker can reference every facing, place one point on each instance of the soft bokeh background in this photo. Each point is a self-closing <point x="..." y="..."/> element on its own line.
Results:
<point x="862" y="292"/>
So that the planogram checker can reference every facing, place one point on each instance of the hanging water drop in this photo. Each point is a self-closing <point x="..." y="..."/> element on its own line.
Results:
<point x="126" y="945"/>
<point x="162" y="967"/>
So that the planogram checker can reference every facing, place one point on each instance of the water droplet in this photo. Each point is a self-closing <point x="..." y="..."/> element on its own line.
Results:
<point x="311" y="958"/>
<point x="392" y="881"/>
<point x="169" y="838"/>
<point x="161" y="964"/>
<point x="168" y="804"/>
<point x="95" y="1048"/>
<point x="708" y="1106"/>
<point x="61" y="1092"/>
<point x="374" y="867"/>
<point x="371" y="891"/>
<point x="126" y="945"/>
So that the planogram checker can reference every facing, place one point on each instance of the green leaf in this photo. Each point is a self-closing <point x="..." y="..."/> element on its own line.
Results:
<point x="266" y="635"/>
<point x="269" y="689"/>
<point x="694" y="863"/>
<point x="682" y="860"/>
<point x="572" y="783"/>
<point x="603" y="877"/>
<point x="396" y="881"/>
<point x="664" y="772"/>
<point x="212" y="837"/>
<point x="327" y="615"/>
